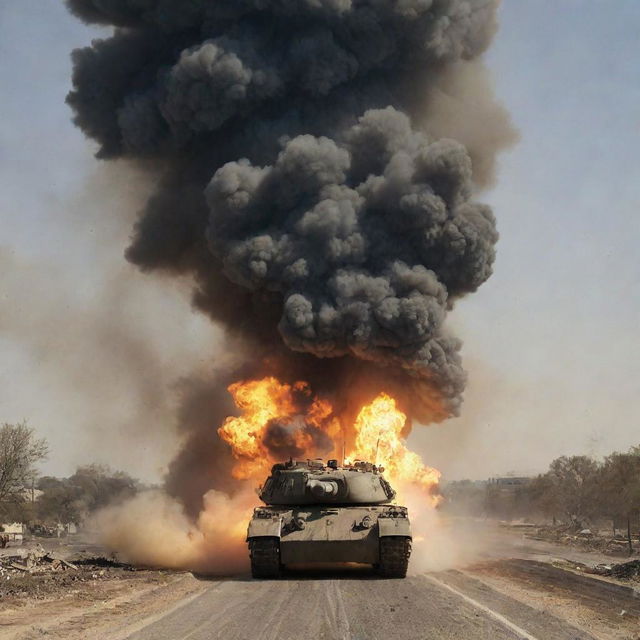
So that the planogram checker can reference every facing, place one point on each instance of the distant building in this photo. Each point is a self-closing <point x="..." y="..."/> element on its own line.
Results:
<point x="509" y="482"/>
<point x="30" y="494"/>
<point x="14" y="530"/>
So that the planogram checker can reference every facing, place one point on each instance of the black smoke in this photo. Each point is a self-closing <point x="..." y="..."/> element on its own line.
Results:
<point x="324" y="223"/>
<point x="280" y="440"/>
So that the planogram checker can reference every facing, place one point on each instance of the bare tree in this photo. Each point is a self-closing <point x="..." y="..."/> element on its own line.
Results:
<point x="20" y="451"/>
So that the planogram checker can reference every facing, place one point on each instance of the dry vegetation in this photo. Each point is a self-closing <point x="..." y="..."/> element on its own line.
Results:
<point x="580" y="500"/>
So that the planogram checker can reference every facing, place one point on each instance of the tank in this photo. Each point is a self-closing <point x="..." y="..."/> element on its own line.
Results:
<point x="317" y="513"/>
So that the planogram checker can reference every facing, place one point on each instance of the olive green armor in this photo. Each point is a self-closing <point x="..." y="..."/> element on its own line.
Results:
<point x="328" y="514"/>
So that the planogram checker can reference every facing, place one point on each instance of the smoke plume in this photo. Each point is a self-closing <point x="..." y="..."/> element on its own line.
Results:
<point x="304" y="183"/>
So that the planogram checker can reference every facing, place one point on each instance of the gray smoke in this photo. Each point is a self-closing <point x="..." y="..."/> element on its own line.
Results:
<point x="183" y="69"/>
<point x="301" y="181"/>
<point x="366" y="239"/>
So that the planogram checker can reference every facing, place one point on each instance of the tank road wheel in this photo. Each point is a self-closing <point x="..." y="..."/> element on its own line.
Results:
<point x="265" y="557"/>
<point x="394" y="556"/>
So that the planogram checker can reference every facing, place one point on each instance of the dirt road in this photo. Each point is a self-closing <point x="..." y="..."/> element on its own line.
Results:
<point x="354" y="609"/>
<point x="524" y="590"/>
<point x="348" y="605"/>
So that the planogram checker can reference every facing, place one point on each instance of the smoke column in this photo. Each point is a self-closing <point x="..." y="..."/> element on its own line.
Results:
<point x="309" y="182"/>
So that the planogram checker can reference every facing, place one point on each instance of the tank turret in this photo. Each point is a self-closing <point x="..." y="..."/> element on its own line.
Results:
<point x="328" y="513"/>
<point x="311" y="482"/>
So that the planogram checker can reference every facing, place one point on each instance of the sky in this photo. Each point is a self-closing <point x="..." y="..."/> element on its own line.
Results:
<point x="90" y="349"/>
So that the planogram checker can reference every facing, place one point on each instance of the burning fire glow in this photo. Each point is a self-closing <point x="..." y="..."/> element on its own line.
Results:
<point x="379" y="427"/>
<point x="308" y="425"/>
<point x="260" y="401"/>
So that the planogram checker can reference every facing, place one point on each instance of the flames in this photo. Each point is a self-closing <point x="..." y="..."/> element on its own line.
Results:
<point x="279" y="420"/>
<point x="260" y="401"/>
<point x="379" y="439"/>
<point x="276" y="417"/>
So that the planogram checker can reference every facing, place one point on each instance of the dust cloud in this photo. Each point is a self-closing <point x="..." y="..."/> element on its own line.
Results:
<point x="152" y="529"/>
<point x="440" y="542"/>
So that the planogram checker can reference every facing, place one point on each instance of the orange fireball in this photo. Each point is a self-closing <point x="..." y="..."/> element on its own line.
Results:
<point x="260" y="401"/>
<point x="376" y="431"/>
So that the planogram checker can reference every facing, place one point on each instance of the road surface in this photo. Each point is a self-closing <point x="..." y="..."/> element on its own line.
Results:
<point x="517" y="594"/>
<point x="357" y="606"/>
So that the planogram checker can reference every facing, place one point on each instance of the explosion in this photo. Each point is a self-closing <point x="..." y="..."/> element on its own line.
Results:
<point x="260" y="401"/>
<point x="300" y="419"/>
<point x="277" y="420"/>
<point x="379" y="427"/>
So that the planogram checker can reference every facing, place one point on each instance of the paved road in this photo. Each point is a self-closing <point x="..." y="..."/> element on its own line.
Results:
<point x="355" y="606"/>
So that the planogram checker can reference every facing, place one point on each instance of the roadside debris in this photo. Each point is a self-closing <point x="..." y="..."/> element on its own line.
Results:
<point x="39" y="574"/>
<point x="586" y="539"/>
<point x="623" y="571"/>
<point x="36" y="560"/>
<point x="103" y="562"/>
<point x="39" y="561"/>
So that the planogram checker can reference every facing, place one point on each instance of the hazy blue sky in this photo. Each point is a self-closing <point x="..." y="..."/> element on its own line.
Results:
<point x="551" y="340"/>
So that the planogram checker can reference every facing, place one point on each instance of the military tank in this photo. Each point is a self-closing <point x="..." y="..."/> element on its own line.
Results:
<point x="317" y="513"/>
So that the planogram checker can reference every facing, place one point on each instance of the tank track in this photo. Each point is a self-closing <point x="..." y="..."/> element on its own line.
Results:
<point x="265" y="557"/>
<point x="394" y="556"/>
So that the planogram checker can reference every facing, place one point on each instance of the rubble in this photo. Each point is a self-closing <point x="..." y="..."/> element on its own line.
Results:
<point x="585" y="539"/>
<point x="103" y="562"/>
<point x="629" y="570"/>
<point x="38" y="574"/>
<point x="35" y="560"/>
<point x="622" y="571"/>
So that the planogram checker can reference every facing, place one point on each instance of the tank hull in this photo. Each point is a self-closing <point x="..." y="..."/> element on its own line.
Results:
<point x="313" y="534"/>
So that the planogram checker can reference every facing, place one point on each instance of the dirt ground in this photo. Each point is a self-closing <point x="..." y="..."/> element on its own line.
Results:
<point x="80" y="601"/>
